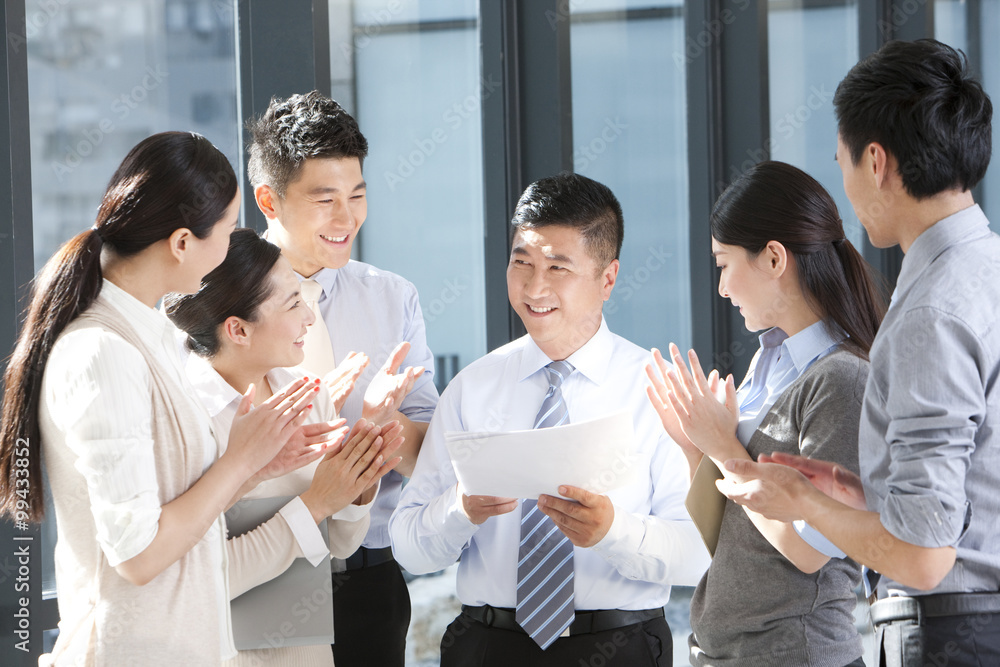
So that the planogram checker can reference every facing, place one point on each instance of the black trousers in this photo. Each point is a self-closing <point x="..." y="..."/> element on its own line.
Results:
<point x="971" y="640"/>
<point x="469" y="643"/>
<point x="371" y="613"/>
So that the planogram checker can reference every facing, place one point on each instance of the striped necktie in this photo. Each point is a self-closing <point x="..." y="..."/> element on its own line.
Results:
<point x="545" y="555"/>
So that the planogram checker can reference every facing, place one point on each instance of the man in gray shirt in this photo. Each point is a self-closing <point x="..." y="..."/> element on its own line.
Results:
<point x="914" y="139"/>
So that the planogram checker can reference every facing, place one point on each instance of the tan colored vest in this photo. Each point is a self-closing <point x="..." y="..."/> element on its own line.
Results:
<point x="174" y="619"/>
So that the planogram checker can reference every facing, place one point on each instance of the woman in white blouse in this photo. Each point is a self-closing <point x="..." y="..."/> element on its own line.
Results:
<point x="246" y="326"/>
<point x="96" y="385"/>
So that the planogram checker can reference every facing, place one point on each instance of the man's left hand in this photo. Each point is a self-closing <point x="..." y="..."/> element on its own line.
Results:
<point x="586" y="521"/>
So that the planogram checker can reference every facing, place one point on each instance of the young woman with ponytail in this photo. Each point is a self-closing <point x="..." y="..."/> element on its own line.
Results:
<point x="777" y="594"/>
<point x="95" y="391"/>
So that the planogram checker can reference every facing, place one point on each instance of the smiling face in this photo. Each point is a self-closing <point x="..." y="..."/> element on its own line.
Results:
<point x="275" y="338"/>
<point x="557" y="289"/>
<point x="748" y="284"/>
<point x="317" y="220"/>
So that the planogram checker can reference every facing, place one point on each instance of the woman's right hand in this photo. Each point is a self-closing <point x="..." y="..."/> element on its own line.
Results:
<point x="659" y="396"/>
<point x="346" y="472"/>
<point x="258" y="434"/>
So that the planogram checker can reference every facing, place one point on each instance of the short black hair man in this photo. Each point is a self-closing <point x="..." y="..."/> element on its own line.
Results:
<point x="914" y="139"/>
<point x="595" y="586"/>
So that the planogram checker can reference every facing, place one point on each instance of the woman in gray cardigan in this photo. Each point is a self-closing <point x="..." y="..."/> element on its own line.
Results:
<point x="777" y="594"/>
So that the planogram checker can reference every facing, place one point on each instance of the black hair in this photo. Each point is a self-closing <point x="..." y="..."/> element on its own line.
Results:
<point x="774" y="201"/>
<point x="169" y="181"/>
<point x="572" y="200"/>
<point x="235" y="288"/>
<point x="294" y="130"/>
<point x="919" y="101"/>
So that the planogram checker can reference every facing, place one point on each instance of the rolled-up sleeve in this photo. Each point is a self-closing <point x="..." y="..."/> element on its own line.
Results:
<point x="933" y="418"/>
<point x="99" y="393"/>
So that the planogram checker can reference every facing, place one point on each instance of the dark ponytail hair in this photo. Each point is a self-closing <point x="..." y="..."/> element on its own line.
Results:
<point x="774" y="201"/>
<point x="235" y="288"/>
<point x="169" y="181"/>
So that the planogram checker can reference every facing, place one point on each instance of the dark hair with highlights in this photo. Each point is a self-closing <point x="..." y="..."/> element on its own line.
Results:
<point x="294" y="130"/>
<point x="169" y="181"/>
<point x="235" y="288"/>
<point x="572" y="200"/>
<point x="774" y="201"/>
<point x="919" y="101"/>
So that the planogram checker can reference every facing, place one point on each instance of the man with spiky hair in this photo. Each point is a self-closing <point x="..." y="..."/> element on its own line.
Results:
<point x="305" y="166"/>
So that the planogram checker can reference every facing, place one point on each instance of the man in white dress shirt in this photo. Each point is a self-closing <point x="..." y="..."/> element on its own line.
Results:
<point x="305" y="168"/>
<point x="624" y="549"/>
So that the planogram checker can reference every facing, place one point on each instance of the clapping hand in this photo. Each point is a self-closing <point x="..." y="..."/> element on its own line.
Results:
<point x="258" y="434"/>
<point x="387" y="390"/>
<point x="340" y="381"/>
<point x="349" y="471"/>
<point x="705" y="408"/>
<point x="306" y="445"/>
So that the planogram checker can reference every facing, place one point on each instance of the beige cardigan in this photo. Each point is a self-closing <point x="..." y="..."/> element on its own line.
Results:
<point x="172" y="620"/>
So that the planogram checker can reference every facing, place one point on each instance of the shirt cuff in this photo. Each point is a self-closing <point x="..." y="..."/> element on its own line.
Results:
<point x="448" y="513"/>
<point x="304" y="529"/>
<point x="624" y="536"/>
<point x="357" y="512"/>
<point x="817" y="540"/>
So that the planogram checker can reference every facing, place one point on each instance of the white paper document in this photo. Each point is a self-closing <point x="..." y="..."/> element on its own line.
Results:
<point x="596" y="455"/>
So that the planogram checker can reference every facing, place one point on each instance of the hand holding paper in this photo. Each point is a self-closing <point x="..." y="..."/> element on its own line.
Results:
<point x="585" y="518"/>
<point x="481" y="508"/>
<point x="595" y="455"/>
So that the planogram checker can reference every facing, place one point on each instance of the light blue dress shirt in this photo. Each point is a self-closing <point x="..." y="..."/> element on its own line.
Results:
<point x="778" y="363"/>
<point x="928" y="440"/>
<point x="370" y="310"/>
<point x="652" y="542"/>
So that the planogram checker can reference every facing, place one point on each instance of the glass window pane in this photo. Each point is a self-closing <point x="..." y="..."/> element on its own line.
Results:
<point x="104" y="74"/>
<point x="630" y="133"/>
<point x="811" y="46"/>
<point x="413" y="73"/>
<point x="989" y="28"/>
<point x="951" y="26"/>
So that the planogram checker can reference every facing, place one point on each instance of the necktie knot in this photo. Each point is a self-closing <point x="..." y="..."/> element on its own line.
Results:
<point x="558" y="371"/>
<point x="311" y="290"/>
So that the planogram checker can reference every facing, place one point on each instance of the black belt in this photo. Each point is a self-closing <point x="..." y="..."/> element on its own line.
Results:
<point x="364" y="557"/>
<point x="587" y="622"/>
<point x="892" y="609"/>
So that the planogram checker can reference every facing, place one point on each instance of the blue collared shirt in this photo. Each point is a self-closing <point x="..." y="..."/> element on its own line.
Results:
<point x="929" y="447"/>
<point x="778" y="363"/>
<point x="370" y="310"/>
